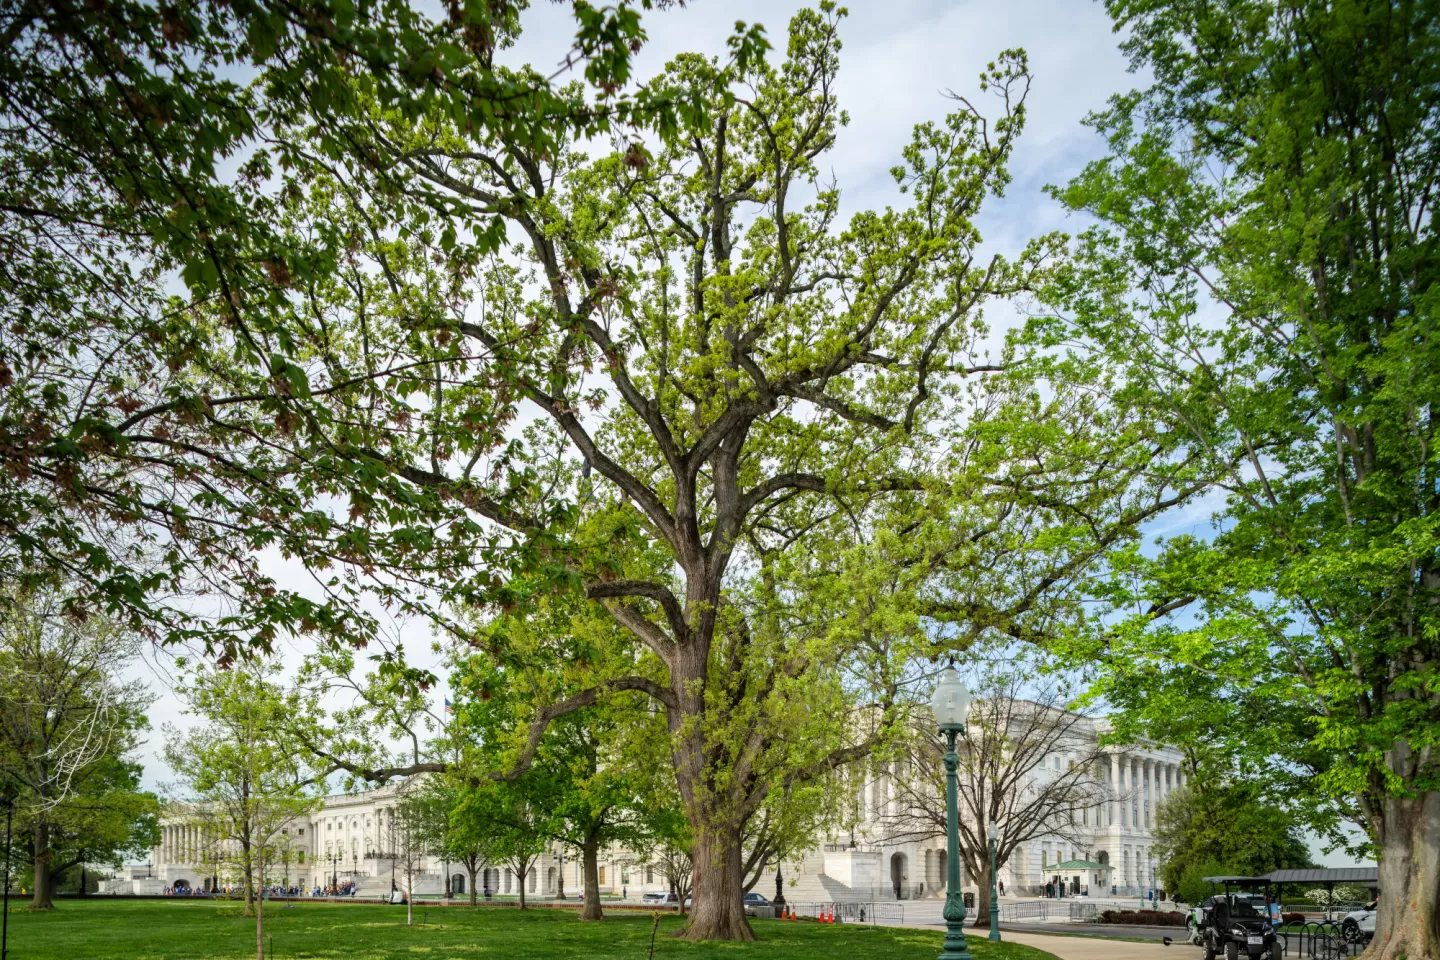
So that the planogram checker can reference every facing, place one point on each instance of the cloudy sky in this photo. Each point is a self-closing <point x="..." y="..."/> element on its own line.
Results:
<point x="899" y="58"/>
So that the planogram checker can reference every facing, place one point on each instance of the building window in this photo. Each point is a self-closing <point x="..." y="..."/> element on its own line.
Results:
<point x="300" y="858"/>
<point x="649" y="874"/>
<point x="602" y="876"/>
<point x="300" y="832"/>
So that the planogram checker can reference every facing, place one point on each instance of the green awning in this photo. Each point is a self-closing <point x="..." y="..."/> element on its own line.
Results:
<point x="1078" y="865"/>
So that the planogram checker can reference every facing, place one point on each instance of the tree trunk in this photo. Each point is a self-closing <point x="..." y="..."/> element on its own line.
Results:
<point x="590" y="866"/>
<point x="524" y="875"/>
<point x="260" y="927"/>
<point x="718" y="913"/>
<point x="472" y="871"/>
<point x="44" y="880"/>
<point x="982" y="901"/>
<point x="249" y="875"/>
<point x="1408" y="923"/>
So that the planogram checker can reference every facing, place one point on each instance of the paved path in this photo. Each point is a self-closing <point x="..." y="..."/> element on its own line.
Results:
<point x="1087" y="945"/>
<point x="1094" y="948"/>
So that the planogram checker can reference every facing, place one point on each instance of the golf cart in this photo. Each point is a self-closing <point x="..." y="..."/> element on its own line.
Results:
<point x="1237" y="922"/>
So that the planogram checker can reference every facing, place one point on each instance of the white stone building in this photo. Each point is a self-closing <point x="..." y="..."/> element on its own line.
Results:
<point x="342" y="838"/>
<point x="864" y="865"/>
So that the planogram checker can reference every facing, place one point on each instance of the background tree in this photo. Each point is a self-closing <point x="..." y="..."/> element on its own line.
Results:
<point x="1006" y="776"/>
<point x="598" y="770"/>
<point x="68" y="725"/>
<point x="448" y="838"/>
<point x="1264" y="281"/>
<point x="415" y="837"/>
<point x="1214" y="819"/>
<point x="518" y="825"/>
<point x="677" y="865"/>
<point x="246" y="782"/>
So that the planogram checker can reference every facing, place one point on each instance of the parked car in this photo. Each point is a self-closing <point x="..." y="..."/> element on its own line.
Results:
<point x="1359" y="924"/>
<point x="755" y="900"/>
<point x="662" y="897"/>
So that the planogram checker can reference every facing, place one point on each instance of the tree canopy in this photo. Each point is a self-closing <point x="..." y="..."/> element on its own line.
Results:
<point x="1264" y="277"/>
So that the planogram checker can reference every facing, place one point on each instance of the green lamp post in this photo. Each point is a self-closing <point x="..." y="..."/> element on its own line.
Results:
<point x="951" y="705"/>
<point x="992" y="833"/>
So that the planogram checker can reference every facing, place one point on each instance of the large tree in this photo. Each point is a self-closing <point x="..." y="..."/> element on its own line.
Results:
<point x="69" y="722"/>
<point x="158" y="377"/>
<point x="1265" y="271"/>
<point x="744" y="380"/>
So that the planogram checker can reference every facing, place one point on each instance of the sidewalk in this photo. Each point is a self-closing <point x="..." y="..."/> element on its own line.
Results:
<point x="1096" y="948"/>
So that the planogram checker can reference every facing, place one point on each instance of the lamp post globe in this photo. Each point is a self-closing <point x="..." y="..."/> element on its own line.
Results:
<point x="950" y="702"/>
<point x="992" y="833"/>
<point x="951" y="706"/>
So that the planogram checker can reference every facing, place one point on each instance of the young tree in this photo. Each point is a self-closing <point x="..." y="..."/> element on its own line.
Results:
<point x="247" y="783"/>
<point x="430" y="807"/>
<point x="1263" y="281"/>
<point x="414" y="834"/>
<point x="518" y="824"/>
<point x="1005" y="775"/>
<point x="678" y="867"/>
<point x="68" y="723"/>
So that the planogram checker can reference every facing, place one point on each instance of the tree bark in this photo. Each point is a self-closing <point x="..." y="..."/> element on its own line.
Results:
<point x="1408" y="922"/>
<point x="982" y="902"/>
<point x="260" y="926"/>
<point x="718" y="912"/>
<point x="472" y="871"/>
<point x="44" y="879"/>
<point x="590" y="909"/>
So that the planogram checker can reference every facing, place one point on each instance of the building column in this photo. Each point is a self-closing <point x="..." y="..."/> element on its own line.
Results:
<point x="1132" y="804"/>
<point x="1147" y="792"/>
<point x="1114" y="805"/>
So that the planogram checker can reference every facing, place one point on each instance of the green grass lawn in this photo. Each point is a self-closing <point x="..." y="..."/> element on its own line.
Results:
<point x="170" y="930"/>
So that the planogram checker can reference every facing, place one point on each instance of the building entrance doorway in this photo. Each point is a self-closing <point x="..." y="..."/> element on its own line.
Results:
<point x="897" y="874"/>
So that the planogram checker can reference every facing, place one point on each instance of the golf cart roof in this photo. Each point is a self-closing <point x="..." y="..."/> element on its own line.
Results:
<point x="1258" y="881"/>
<point x="1325" y="875"/>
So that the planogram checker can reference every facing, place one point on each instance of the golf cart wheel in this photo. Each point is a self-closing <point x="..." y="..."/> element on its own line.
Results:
<point x="1232" y="950"/>
<point x="1209" y="949"/>
<point x="1350" y="930"/>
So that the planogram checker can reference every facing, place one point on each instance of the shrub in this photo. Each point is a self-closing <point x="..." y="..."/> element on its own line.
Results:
<point x="1288" y="918"/>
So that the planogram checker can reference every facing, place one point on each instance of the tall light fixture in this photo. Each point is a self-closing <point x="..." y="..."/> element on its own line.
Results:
<point x="992" y="833"/>
<point x="951" y="706"/>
